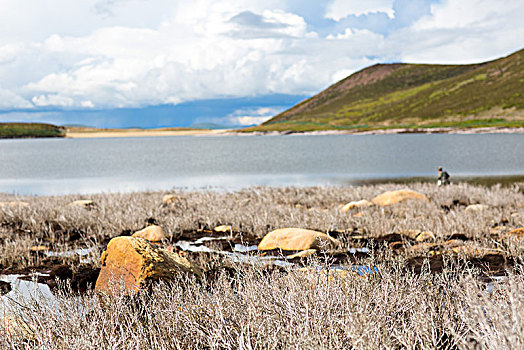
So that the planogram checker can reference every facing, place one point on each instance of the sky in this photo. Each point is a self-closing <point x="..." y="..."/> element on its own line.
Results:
<point x="157" y="63"/>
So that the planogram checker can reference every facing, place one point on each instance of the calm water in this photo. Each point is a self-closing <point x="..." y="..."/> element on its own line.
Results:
<point x="60" y="166"/>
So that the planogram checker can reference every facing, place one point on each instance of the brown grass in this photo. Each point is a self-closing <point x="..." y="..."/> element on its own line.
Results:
<point x="250" y="306"/>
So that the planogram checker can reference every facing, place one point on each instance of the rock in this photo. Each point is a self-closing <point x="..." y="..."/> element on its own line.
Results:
<point x="393" y="197"/>
<point x="134" y="261"/>
<point x="356" y="204"/>
<point x="302" y="254"/>
<point x="474" y="208"/>
<point x="297" y="239"/>
<point x="425" y="236"/>
<point x="14" y="205"/>
<point x="83" y="203"/>
<point x="170" y="199"/>
<point x="153" y="233"/>
<point x="223" y="229"/>
<point x="38" y="248"/>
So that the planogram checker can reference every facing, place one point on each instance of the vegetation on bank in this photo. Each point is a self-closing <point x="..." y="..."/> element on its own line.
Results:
<point x="423" y="297"/>
<point x="30" y="130"/>
<point x="397" y="95"/>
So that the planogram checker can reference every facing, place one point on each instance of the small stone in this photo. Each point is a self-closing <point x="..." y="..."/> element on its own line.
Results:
<point x="223" y="229"/>
<point x="38" y="248"/>
<point x="425" y="236"/>
<point x="153" y="233"/>
<point x="356" y="204"/>
<point x="84" y="203"/>
<point x="475" y="208"/>
<point x="393" y="197"/>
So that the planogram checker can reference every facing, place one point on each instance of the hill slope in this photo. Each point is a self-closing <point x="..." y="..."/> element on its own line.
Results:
<point x="415" y="95"/>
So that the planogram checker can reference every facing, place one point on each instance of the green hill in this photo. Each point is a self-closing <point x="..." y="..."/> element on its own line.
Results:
<point x="415" y="96"/>
<point x="21" y="130"/>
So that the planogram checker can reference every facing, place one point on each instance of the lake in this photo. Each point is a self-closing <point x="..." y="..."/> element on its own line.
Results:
<point x="63" y="166"/>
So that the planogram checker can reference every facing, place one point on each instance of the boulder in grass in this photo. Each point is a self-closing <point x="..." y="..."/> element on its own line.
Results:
<point x="223" y="229"/>
<point x="393" y="197"/>
<point x="131" y="262"/>
<point x="425" y="236"/>
<point x="153" y="233"/>
<point x="83" y="203"/>
<point x="475" y="208"/>
<point x="297" y="239"/>
<point x="356" y="204"/>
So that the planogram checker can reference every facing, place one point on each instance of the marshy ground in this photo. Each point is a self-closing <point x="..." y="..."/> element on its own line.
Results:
<point x="459" y="286"/>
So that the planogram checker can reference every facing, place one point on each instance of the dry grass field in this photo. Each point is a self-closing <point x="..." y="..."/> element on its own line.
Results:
<point x="460" y="289"/>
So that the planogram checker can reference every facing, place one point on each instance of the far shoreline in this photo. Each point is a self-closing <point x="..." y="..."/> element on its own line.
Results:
<point x="100" y="133"/>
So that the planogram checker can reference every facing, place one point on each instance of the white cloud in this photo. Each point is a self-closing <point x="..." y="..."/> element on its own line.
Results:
<point x="246" y="116"/>
<point x="52" y="100"/>
<point x="117" y="53"/>
<point x="10" y="100"/>
<point x="339" y="9"/>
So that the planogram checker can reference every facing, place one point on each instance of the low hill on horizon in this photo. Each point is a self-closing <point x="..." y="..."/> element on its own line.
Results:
<point x="30" y="130"/>
<point x="403" y="95"/>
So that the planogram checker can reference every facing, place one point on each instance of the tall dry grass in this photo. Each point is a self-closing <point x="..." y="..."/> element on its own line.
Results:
<point x="252" y="212"/>
<point x="249" y="306"/>
<point x="288" y="309"/>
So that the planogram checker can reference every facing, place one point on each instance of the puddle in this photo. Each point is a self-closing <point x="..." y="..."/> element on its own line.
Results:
<point x="198" y="245"/>
<point x="82" y="252"/>
<point x="244" y="249"/>
<point x="24" y="293"/>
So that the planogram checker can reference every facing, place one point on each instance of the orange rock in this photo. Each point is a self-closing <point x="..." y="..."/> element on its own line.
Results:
<point x="425" y="236"/>
<point x="223" y="229"/>
<point x="393" y="197"/>
<point x="130" y="261"/>
<point x="297" y="239"/>
<point x="153" y="233"/>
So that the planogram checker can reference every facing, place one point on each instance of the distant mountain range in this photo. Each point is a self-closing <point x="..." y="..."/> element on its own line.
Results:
<point x="403" y="95"/>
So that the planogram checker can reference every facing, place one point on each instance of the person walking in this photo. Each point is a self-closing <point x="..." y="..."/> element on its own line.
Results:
<point x="443" y="177"/>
